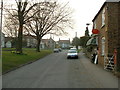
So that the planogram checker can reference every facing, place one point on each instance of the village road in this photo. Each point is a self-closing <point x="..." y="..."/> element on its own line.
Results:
<point x="56" y="71"/>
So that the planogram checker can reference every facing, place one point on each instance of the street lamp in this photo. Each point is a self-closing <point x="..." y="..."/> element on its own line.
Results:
<point x="87" y="24"/>
<point x="87" y="31"/>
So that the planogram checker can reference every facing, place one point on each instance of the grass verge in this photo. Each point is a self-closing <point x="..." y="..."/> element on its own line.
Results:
<point x="79" y="50"/>
<point x="11" y="60"/>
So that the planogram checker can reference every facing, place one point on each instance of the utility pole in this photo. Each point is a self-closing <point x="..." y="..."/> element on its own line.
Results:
<point x="1" y="17"/>
<point x="76" y="39"/>
<point x="1" y="44"/>
<point x="1" y="27"/>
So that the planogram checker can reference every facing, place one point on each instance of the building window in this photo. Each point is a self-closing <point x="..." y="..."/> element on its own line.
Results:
<point x="28" y="42"/>
<point x="95" y="25"/>
<point x="96" y="40"/>
<point x="103" y="46"/>
<point x="103" y="17"/>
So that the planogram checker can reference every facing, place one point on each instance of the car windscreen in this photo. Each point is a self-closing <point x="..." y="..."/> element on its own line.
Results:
<point x="72" y="51"/>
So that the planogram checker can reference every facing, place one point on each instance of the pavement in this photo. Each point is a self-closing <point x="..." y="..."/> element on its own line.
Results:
<point x="106" y="78"/>
<point x="56" y="71"/>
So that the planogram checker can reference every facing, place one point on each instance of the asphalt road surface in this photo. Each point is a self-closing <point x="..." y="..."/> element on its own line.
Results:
<point x="56" y="71"/>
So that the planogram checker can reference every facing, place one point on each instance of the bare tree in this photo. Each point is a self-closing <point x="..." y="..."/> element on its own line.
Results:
<point x="22" y="11"/>
<point x="10" y="25"/>
<point x="19" y="14"/>
<point x="52" y="18"/>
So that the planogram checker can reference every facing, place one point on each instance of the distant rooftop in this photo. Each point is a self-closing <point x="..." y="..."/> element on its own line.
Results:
<point x="64" y="41"/>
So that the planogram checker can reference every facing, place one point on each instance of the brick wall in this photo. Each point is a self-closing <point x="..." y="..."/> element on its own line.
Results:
<point x="118" y="48"/>
<point x="119" y="24"/>
<point x="112" y="26"/>
<point x="103" y="33"/>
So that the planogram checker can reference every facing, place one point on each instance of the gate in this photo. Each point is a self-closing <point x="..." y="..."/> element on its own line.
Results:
<point x="109" y="62"/>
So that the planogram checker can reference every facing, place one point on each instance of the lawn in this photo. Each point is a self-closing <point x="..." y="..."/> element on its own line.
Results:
<point x="11" y="60"/>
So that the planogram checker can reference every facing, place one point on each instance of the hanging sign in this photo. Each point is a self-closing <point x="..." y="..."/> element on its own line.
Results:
<point x="95" y="31"/>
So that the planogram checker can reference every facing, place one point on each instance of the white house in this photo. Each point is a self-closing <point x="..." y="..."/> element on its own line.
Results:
<point x="8" y="44"/>
<point x="42" y="45"/>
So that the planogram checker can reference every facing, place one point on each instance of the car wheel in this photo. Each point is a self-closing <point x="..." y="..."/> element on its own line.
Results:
<point x="76" y="57"/>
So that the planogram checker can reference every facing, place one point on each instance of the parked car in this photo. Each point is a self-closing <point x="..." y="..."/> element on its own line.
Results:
<point x="56" y="50"/>
<point x="72" y="54"/>
<point x="60" y="49"/>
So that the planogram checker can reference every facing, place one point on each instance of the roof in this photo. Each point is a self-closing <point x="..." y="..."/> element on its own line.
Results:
<point x="44" y="40"/>
<point x="103" y="7"/>
<point x="64" y="41"/>
<point x="29" y="36"/>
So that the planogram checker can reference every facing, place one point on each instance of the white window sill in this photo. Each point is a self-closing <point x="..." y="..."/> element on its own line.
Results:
<point x="102" y="55"/>
<point x="102" y="25"/>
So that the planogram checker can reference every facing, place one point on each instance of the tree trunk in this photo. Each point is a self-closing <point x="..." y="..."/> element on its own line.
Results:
<point x="38" y="45"/>
<point x="19" y="40"/>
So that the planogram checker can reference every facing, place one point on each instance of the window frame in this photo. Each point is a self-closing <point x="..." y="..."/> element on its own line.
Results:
<point x="103" y="46"/>
<point x="103" y="17"/>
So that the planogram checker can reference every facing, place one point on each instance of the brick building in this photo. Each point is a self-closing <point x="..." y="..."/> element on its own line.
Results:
<point x="32" y="42"/>
<point x="48" y="43"/>
<point x="64" y="44"/>
<point x="107" y="21"/>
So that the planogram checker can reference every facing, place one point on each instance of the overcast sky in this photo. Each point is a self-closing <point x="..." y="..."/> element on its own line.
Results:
<point x="84" y="12"/>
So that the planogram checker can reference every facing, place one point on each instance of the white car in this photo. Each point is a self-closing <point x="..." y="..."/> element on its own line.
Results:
<point x="72" y="54"/>
<point x="73" y="49"/>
